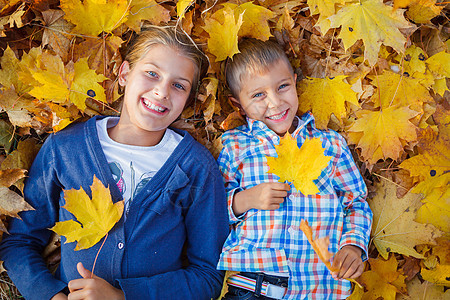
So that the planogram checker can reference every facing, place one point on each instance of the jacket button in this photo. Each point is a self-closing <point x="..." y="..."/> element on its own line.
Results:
<point x="120" y="245"/>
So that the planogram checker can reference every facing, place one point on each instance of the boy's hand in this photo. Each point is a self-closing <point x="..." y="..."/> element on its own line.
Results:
<point x="348" y="261"/>
<point x="92" y="288"/>
<point x="265" y="196"/>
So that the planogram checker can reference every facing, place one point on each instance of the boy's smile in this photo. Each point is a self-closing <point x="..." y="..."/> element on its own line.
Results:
<point x="156" y="90"/>
<point x="270" y="96"/>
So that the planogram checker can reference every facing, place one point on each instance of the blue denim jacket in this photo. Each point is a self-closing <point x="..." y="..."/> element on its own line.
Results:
<point x="184" y="203"/>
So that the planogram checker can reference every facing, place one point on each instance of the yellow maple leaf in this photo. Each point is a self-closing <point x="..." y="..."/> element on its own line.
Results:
<point x="412" y="62"/>
<point x="301" y="166"/>
<point x="223" y="29"/>
<point x="434" y="160"/>
<point x="254" y="19"/>
<point x="182" y="7"/>
<point x="382" y="134"/>
<point x="325" y="9"/>
<point x="397" y="90"/>
<point x="436" y="203"/>
<point x="422" y="11"/>
<point x="373" y="22"/>
<point x="95" y="217"/>
<point x="11" y="66"/>
<point x="439" y="64"/>
<point x="383" y="281"/>
<point x="148" y="10"/>
<point x="92" y="17"/>
<point x="439" y="275"/>
<point x="394" y="228"/>
<point x="325" y="97"/>
<point x="75" y="83"/>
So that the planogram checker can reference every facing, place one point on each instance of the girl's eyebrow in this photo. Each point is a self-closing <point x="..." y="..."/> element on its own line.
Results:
<point x="157" y="67"/>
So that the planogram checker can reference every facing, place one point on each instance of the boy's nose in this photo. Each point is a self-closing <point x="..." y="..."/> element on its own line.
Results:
<point x="273" y="101"/>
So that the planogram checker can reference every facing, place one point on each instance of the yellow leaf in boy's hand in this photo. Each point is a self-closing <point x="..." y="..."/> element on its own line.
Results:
<point x="375" y="23"/>
<point x="299" y="165"/>
<point x="96" y="217"/>
<point x="223" y="29"/>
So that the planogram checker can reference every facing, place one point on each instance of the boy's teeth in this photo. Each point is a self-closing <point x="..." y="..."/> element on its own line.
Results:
<point x="153" y="106"/>
<point x="277" y="117"/>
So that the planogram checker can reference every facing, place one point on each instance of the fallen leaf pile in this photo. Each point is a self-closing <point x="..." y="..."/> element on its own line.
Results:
<point x="375" y="71"/>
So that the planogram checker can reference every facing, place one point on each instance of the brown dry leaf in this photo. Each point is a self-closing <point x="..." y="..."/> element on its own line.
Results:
<point x="16" y="107"/>
<point x="10" y="176"/>
<point x="103" y="53"/>
<point x="411" y="267"/>
<point x="56" y="33"/>
<point x="23" y="156"/>
<point x="233" y="120"/>
<point x="418" y="290"/>
<point x="383" y="279"/>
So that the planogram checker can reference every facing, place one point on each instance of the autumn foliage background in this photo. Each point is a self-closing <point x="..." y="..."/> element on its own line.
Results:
<point x="377" y="72"/>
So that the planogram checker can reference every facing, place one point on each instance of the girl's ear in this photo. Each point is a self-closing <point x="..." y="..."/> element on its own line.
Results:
<point x="237" y="104"/>
<point x="124" y="70"/>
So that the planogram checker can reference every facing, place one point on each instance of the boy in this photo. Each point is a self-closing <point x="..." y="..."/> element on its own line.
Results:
<point x="266" y="245"/>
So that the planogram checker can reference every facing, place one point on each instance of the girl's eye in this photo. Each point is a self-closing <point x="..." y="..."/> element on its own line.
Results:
<point x="179" y="86"/>
<point x="152" y="74"/>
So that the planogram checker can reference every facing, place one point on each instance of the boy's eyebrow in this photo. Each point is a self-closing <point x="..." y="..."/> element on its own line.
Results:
<point x="156" y="66"/>
<point x="278" y="82"/>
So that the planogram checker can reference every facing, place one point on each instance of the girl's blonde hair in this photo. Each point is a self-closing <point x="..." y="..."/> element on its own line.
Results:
<point x="255" y="57"/>
<point x="172" y="37"/>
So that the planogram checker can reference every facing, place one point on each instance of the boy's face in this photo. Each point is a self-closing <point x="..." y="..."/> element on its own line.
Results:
<point x="270" y="97"/>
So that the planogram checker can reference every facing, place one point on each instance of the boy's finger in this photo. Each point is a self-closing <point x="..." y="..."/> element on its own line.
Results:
<point x="279" y="194"/>
<point x="280" y="186"/>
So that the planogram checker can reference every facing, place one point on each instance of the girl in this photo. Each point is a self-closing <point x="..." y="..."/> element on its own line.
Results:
<point x="171" y="185"/>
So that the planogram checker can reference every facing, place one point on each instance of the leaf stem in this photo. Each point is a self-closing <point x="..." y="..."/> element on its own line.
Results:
<point x="98" y="252"/>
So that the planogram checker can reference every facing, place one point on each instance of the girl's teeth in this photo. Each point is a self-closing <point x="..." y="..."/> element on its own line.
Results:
<point x="153" y="106"/>
<point x="277" y="117"/>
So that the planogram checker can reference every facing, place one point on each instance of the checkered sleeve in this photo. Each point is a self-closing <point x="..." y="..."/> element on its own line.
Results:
<point x="229" y="169"/>
<point x="352" y="191"/>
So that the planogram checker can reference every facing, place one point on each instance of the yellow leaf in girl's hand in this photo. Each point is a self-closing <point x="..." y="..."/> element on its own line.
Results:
<point x="299" y="165"/>
<point x="96" y="217"/>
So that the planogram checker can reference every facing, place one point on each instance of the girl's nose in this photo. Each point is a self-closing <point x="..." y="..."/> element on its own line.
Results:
<point x="161" y="90"/>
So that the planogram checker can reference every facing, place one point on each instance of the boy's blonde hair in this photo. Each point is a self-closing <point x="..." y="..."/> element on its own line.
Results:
<point x="255" y="57"/>
<point x="172" y="37"/>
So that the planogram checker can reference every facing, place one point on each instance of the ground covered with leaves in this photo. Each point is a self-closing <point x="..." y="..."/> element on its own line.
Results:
<point x="375" y="71"/>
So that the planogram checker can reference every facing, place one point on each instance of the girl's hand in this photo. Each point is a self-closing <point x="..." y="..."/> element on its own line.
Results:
<point x="59" y="296"/>
<point x="265" y="196"/>
<point x="92" y="288"/>
<point x="348" y="261"/>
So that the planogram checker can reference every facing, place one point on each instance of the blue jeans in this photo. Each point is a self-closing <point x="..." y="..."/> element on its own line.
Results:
<point x="235" y="293"/>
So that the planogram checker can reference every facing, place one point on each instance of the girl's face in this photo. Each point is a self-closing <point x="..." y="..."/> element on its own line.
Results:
<point x="156" y="90"/>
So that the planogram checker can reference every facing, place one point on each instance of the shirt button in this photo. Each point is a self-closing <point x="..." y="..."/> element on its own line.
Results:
<point x="292" y="197"/>
<point x="120" y="245"/>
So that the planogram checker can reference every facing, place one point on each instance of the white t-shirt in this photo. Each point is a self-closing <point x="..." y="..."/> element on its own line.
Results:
<point x="133" y="166"/>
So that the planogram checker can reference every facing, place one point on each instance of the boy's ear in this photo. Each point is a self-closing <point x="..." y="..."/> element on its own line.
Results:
<point x="237" y="104"/>
<point x="124" y="70"/>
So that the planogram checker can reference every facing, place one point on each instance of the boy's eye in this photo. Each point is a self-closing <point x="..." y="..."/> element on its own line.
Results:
<point x="283" y="86"/>
<point x="257" y="95"/>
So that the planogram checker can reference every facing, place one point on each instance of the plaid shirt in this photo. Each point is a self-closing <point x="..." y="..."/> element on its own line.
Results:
<point x="270" y="240"/>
